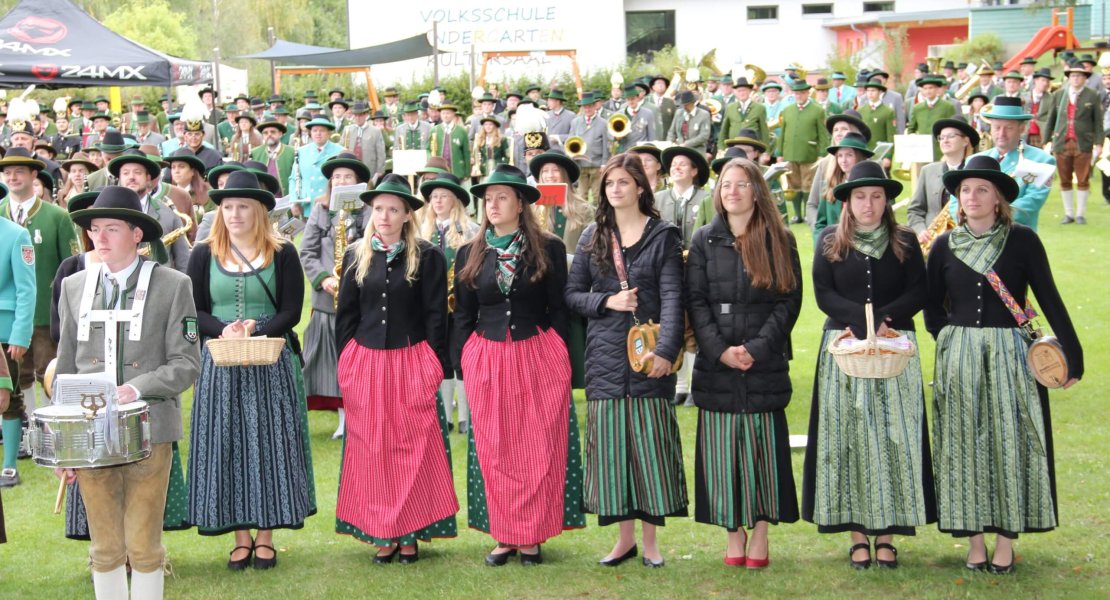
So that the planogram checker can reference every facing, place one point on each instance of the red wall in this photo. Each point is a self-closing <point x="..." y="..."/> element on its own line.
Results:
<point x="920" y="39"/>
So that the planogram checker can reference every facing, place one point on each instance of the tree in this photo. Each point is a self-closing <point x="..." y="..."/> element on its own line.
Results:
<point x="156" y="25"/>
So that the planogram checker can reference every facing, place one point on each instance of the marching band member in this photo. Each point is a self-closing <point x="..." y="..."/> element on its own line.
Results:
<point x="931" y="109"/>
<point x="657" y="98"/>
<point x="844" y="95"/>
<point x="691" y="125"/>
<point x="1075" y="123"/>
<point x="559" y="119"/>
<point x="77" y="170"/>
<point x="652" y="159"/>
<point x="449" y="140"/>
<point x="892" y="99"/>
<point x="838" y="126"/>
<point x="450" y="228"/>
<point x="626" y="479"/>
<point x="1007" y="126"/>
<point x="568" y="221"/>
<point x="272" y="152"/>
<point x="395" y="483"/>
<point x="365" y="141"/>
<point x="1039" y="100"/>
<point x="187" y="173"/>
<point x="868" y="426"/>
<point x="411" y="133"/>
<point x="138" y="173"/>
<point x="524" y="478"/>
<point x="821" y="97"/>
<point x="958" y="141"/>
<point x="594" y="131"/>
<point x="247" y="282"/>
<point x="744" y="113"/>
<point x="987" y="408"/>
<point x="642" y="118"/>
<point x="485" y="110"/>
<point x="18" y="294"/>
<point x="851" y="151"/>
<point x="744" y="290"/>
<point x="490" y="147"/>
<point x="803" y="132"/>
<point x="125" y="504"/>
<point x="307" y="180"/>
<point x="878" y="117"/>
<point x="246" y="137"/>
<point x="318" y="249"/>
<point x="745" y="145"/>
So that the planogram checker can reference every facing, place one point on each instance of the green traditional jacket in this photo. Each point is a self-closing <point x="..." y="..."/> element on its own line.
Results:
<point x="804" y="137"/>
<point x="460" y="148"/>
<point x="881" y="122"/>
<point x="922" y="117"/>
<point x="284" y="162"/>
<point x="755" y="118"/>
<point x="55" y="239"/>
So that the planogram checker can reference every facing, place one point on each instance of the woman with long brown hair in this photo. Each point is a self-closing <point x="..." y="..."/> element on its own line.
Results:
<point x="633" y="451"/>
<point x="250" y="466"/>
<point x="490" y="147"/>
<point x="867" y="469"/>
<point x="744" y="283"/>
<point x="838" y="126"/>
<point x="77" y="171"/>
<point x="845" y="154"/>
<point x="187" y="173"/>
<point x="524" y="476"/>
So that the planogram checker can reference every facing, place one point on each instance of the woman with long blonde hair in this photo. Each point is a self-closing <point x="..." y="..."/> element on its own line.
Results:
<point x="448" y="226"/>
<point x="744" y="287"/>
<point x="490" y="147"/>
<point x="395" y="486"/>
<point x="250" y="466"/>
<point x="567" y="221"/>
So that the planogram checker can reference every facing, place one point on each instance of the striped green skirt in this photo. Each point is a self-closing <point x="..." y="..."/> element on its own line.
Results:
<point x="867" y="466"/>
<point x="992" y="437"/>
<point x="633" y="461"/>
<point x="743" y="472"/>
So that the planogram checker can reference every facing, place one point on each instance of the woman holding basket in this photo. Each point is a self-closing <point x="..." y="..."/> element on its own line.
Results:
<point x="744" y="282"/>
<point x="992" y="433"/>
<point x="867" y="468"/>
<point x="249" y="460"/>
<point x="628" y="270"/>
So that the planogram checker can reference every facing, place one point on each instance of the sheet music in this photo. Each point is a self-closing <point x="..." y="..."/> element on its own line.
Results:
<point x="93" y="389"/>
<point x="346" y="196"/>
<point x="775" y="170"/>
<point x="881" y="150"/>
<point x="1036" y="173"/>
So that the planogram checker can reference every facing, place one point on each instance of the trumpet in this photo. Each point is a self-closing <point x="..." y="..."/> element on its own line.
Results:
<point x="713" y="105"/>
<point x="576" y="146"/>
<point x="619" y="126"/>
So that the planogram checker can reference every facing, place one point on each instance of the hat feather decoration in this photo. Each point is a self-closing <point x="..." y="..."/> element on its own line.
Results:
<point x="193" y="114"/>
<point x="435" y="98"/>
<point x="530" y="119"/>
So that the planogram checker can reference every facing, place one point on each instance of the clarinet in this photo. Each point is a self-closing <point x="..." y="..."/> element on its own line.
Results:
<point x="297" y="168"/>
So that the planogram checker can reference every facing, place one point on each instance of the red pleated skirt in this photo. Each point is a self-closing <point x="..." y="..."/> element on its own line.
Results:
<point x="395" y="477"/>
<point x="519" y="395"/>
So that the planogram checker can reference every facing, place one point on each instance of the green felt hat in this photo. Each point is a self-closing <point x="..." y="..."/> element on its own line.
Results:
<point x="348" y="161"/>
<point x="771" y="85"/>
<point x="213" y="175"/>
<point x="446" y="181"/>
<point x="932" y="80"/>
<point x="854" y="141"/>
<point x="136" y="157"/>
<point x="394" y="185"/>
<point x="867" y="173"/>
<point x="512" y="177"/>
<point x="556" y="94"/>
<point x="649" y="149"/>
<point x="78" y="202"/>
<point x="186" y="155"/>
<point x="746" y="137"/>
<point x="1014" y="75"/>
<point x="558" y="157"/>
<point x="273" y="125"/>
<point x="410" y="107"/>
<point x="20" y="157"/>
<point x="244" y="184"/>
<point x="799" y="86"/>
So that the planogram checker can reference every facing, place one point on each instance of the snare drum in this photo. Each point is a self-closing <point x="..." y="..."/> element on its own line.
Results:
<point x="61" y="436"/>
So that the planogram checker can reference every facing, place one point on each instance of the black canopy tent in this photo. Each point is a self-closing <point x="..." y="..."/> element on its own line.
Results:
<point x="55" y="44"/>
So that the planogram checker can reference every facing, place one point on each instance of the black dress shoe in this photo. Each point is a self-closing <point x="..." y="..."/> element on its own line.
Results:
<point x="385" y="559"/>
<point x="529" y="560"/>
<point x="613" y="562"/>
<point x="242" y="563"/>
<point x="264" y="563"/>
<point x="408" y="559"/>
<point x="978" y="567"/>
<point x="999" y="570"/>
<point x="499" y="559"/>
<point x="886" y="564"/>
<point x="654" y="564"/>
<point x="860" y="564"/>
<point x="680" y="398"/>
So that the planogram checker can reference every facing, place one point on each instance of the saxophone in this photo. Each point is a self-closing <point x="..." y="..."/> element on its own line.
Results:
<point x="297" y="168"/>
<point x="941" y="223"/>
<point x="476" y="159"/>
<point x="451" y="289"/>
<point x="341" y="242"/>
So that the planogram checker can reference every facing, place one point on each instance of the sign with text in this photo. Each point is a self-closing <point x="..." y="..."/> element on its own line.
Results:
<point x="408" y="162"/>
<point x="913" y="148"/>
<point x="552" y="194"/>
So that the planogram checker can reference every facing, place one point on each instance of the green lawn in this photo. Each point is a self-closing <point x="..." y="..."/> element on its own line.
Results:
<point x="316" y="563"/>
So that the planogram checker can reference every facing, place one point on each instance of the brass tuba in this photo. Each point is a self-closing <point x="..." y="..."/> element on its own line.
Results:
<point x="619" y="126"/>
<point x="575" y="146"/>
<point x="709" y="61"/>
<point x="755" y="75"/>
<point x="972" y="81"/>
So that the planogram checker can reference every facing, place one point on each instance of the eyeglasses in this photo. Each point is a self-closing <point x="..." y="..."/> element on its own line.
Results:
<point x="742" y="185"/>
<point x="949" y="136"/>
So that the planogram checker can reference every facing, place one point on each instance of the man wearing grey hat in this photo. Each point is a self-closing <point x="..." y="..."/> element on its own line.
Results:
<point x="365" y="141"/>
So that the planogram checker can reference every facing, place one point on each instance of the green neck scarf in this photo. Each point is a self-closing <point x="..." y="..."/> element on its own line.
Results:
<point x="391" y="250"/>
<point x="978" y="252"/>
<point x="872" y="243"/>
<point x="508" y="249"/>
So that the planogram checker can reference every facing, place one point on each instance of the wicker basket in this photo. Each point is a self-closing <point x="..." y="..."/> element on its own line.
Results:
<point x="870" y="362"/>
<point x="245" y="352"/>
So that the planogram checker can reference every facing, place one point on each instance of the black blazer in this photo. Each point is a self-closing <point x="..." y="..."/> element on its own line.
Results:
<point x="895" y="290"/>
<point x="528" y="309"/>
<point x="960" y="296"/>
<point x="289" y="293"/>
<point x="385" y="311"/>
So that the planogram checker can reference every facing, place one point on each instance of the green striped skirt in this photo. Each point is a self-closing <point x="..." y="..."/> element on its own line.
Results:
<point x="867" y="466"/>
<point x="633" y="461"/>
<point x="991" y="435"/>
<point x="743" y="472"/>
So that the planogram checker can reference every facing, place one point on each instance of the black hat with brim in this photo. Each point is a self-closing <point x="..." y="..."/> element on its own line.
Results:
<point x="348" y="161"/>
<point x="982" y="167"/>
<point x="214" y="173"/>
<point x="244" y="184"/>
<point x="558" y="157"/>
<point x="446" y="181"/>
<point x="960" y="124"/>
<point x="512" y="177"/>
<point x="268" y="181"/>
<point x="187" y="156"/>
<point x="696" y="157"/>
<point x="868" y="173"/>
<point x="649" y="149"/>
<point x="117" y="202"/>
<point x="248" y="116"/>
<point x="272" y="125"/>
<point x="851" y="117"/>
<point x="392" y="185"/>
<point x="134" y="156"/>
<point x="733" y="152"/>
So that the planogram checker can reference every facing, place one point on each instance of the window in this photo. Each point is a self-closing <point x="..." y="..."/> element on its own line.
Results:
<point x="817" y="9"/>
<point x="763" y="13"/>
<point x="646" y="32"/>
<point x="878" y="7"/>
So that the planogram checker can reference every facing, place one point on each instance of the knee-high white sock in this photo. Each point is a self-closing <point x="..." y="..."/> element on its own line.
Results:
<point x="464" y="408"/>
<point x="447" y="392"/>
<point x="1081" y="202"/>
<point x="147" y="586"/>
<point x="1065" y="195"/>
<point x="111" y="585"/>
<point x="30" y="400"/>
<point x="341" y="428"/>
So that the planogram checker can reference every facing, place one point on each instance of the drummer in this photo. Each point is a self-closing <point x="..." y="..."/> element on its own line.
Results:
<point x="158" y="357"/>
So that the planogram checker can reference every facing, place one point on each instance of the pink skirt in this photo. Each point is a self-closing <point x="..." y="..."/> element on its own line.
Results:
<point x="519" y="395"/>
<point x="395" y="477"/>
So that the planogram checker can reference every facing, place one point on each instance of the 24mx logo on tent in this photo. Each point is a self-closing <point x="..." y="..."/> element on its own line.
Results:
<point x="39" y="30"/>
<point x="50" y="72"/>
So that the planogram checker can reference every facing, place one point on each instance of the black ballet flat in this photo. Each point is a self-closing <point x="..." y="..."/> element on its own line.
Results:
<point x="408" y="559"/>
<point x="978" y="567"/>
<point x="886" y="564"/>
<point x="242" y="563"/>
<point x="654" y="564"/>
<point x="499" y="560"/>
<point x="385" y="559"/>
<point x="262" y="564"/>
<point x="531" y="560"/>
<point x="614" y="562"/>
<point x="997" y="570"/>
<point x="860" y="565"/>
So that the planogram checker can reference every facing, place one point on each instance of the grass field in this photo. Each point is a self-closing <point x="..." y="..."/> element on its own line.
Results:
<point x="1070" y="562"/>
